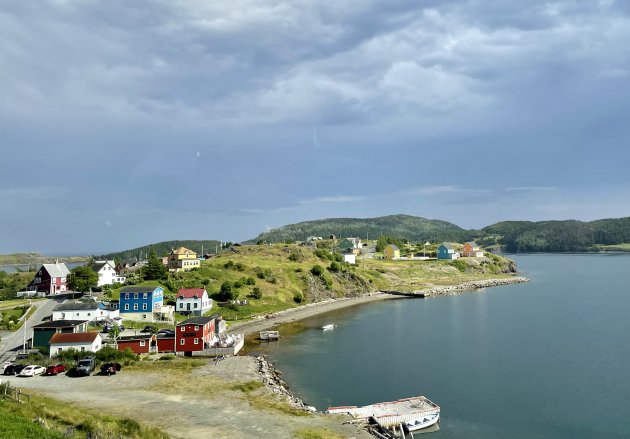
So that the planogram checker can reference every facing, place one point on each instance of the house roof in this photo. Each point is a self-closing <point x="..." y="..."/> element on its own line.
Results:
<point x="78" y="306"/>
<point x="190" y="293"/>
<point x="145" y="289"/>
<point x="202" y="320"/>
<point x="393" y="246"/>
<point x="182" y="251"/>
<point x="473" y="244"/>
<point x="448" y="245"/>
<point x="60" y="324"/>
<point x="56" y="270"/>
<point x="77" y="337"/>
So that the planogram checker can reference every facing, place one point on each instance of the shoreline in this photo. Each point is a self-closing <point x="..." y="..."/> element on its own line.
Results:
<point x="290" y="315"/>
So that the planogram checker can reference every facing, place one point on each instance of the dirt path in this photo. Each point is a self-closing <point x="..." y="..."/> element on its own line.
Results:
<point x="188" y="404"/>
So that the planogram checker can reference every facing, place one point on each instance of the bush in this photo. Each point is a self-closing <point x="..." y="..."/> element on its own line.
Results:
<point x="317" y="270"/>
<point x="250" y="281"/>
<point x="229" y="265"/>
<point x="109" y="354"/>
<point x="239" y="267"/>
<point x="226" y="293"/>
<point x="298" y="297"/>
<point x="256" y="293"/>
<point x="335" y="267"/>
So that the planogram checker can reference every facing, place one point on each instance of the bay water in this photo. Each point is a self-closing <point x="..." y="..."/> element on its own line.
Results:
<point x="545" y="359"/>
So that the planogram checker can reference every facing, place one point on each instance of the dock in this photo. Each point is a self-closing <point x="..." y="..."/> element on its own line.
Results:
<point x="391" y="415"/>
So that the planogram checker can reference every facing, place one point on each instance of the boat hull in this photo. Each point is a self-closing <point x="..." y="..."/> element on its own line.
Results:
<point x="424" y="422"/>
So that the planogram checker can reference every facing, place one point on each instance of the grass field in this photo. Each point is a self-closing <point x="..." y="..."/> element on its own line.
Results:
<point x="615" y="247"/>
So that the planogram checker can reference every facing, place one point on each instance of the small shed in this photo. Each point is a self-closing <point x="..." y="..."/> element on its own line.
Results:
<point x="391" y="251"/>
<point x="80" y="341"/>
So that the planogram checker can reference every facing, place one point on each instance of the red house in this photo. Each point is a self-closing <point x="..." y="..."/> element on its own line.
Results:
<point x="194" y="335"/>
<point x="50" y="278"/>
<point x="146" y="343"/>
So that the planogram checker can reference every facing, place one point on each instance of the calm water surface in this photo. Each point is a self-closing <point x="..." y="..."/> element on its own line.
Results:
<point x="547" y="359"/>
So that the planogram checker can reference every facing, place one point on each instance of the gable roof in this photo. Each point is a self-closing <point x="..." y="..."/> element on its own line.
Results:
<point x="197" y="321"/>
<point x="145" y="289"/>
<point x="59" y="324"/>
<point x="56" y="270"/>
<point x="78" y="306"/>
<point x="182" y="251"/>
<point x="448" y="245"/>
<point x="473" y="244"/>
<point x="98" y="265"/>
<point x="78" y="337"/>
<point x="392" y="246"/>
<point x="189" y="293"/>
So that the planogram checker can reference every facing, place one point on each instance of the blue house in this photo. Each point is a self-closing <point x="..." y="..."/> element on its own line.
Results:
<point x="142" y="303"/>
<point x="446" y="251"/>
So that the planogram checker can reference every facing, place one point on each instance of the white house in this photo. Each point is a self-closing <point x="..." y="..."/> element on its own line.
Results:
<point x="80" y="341"/>
<point x="84" y="311"/>
<point x="350" y="258"/>
<point x="193" y="301"/>
<point x="106" y="271"/>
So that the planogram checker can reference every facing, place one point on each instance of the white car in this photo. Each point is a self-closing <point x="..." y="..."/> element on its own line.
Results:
<point x="32" y="370"/>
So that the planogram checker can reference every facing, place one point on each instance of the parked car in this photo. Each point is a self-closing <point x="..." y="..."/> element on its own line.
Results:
<point x="55" y="369"/>
<point x="148" y="328"/>
<point x="13" y="369"/>
<point x="168" y="332"/>
<point x="110" y="368"/>
<point x="32" y="370"/>
<point x="85" y="366"/>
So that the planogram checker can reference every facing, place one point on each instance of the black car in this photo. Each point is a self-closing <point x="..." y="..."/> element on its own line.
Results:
<point x="167" y="332"/>
<point x="148" y="328"/>
<point x="13" y="369"/>
<point x="110" y="368"/>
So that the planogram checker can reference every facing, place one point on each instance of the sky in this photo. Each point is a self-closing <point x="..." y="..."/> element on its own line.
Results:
<point x="124" y="123"/>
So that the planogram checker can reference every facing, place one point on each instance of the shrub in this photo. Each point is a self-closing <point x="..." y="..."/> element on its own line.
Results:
<point x="334" y="267"/>
<point x="239" y="267"/>
<point x="229" y="265"/>
<point x="298" y="297"/>
<point x="256" y="293"/>
<point x="250" y="281"/>
<point x="226" y="292"/>
<point x="317" y="270"/>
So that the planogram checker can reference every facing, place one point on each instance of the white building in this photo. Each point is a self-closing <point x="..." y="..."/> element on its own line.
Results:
<point x="84" y="311"/>
<point x="193" y="301"/>
<point x="350" y="258"/>
<point x="80" y="341"/>
<point x="106" y="271"/>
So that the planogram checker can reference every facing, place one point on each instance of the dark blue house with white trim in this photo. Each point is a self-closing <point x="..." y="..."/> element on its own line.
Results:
<point x="142" y="303"/>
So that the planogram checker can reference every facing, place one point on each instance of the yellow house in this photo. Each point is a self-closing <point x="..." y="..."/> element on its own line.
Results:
<point x="182" y="259"/>
<point x="391" y="252"/>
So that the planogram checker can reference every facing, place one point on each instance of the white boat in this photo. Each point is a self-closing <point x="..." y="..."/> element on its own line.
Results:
<point x="269" y="335"/>
<point x="328" y="327"/>
<point x="423" y="422"/>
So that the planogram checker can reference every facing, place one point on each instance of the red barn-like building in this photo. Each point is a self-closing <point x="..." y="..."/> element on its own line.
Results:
<point x="146" y="343"/>
<point x="194" y="335"/>
<point x="50" y="278"/>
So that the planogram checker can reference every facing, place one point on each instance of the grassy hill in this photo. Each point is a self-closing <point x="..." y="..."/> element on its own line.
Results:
<point x="284" y="274"/>
<point x="403" y="226"/>
<point x="162" y="249"/>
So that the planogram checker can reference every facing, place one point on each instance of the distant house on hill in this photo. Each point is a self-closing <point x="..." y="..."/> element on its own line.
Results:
<point x="446" y="251"/>
<point x="106" y="271"/>
<point x="50" y="279"/>
<point x="182" y="259"/>
<point x="350" y="245"/>
<point x="472" y="250"/>
<point x="193" y="301"/>
<point x="391" y="251"/>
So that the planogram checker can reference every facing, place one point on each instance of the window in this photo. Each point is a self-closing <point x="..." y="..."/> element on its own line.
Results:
<point x="143" y="343"/>
<point x="135" y="307"/>
<point x="126" y="295"/>
<point x="182" y="341"/>
<point x="144" y="316"/>
<point x="183" y="328"/>
<point x="135" y="295"/>
<point x="181" y="305"/>
<point x="196" y="328"/>
<point x="196" y="341"/>
<point x="145" y="306"/>
<point x="145" y="295"/>
<point x="82" y="348"/>
<point x="89" y="314"/>
<point x="59" y="350"/>
<point x="126" y="307"/>
<point x="195" y="305"/>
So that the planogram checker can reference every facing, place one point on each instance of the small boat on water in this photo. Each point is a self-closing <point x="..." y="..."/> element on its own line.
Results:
<point x="329" y="327"/>
<point x="422" y="422"/>
<point x="269" y="335"/>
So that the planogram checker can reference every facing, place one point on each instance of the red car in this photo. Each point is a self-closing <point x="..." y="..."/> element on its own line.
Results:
<point x="55" y="369"/>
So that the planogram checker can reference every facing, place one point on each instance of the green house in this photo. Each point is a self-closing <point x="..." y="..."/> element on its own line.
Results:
<point x="43" y="332"/>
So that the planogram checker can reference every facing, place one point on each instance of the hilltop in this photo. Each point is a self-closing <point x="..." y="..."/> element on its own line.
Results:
<point x="163" y="248"/>
<point x="404" y="226"/>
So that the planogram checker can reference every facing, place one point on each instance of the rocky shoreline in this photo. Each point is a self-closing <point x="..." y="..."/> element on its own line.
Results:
<point x="270" y="377"/>
<point x="462" y="288"/>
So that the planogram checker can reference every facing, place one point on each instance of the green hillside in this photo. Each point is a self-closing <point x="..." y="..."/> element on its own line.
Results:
<point x="403" y="226"/>
<point x="162" y="249"/>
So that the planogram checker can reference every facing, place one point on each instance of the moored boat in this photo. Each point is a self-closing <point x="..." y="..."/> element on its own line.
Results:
<point x="269" y="335"/>
<point x="329" y="327"/>
<point x="422" y="422"/>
